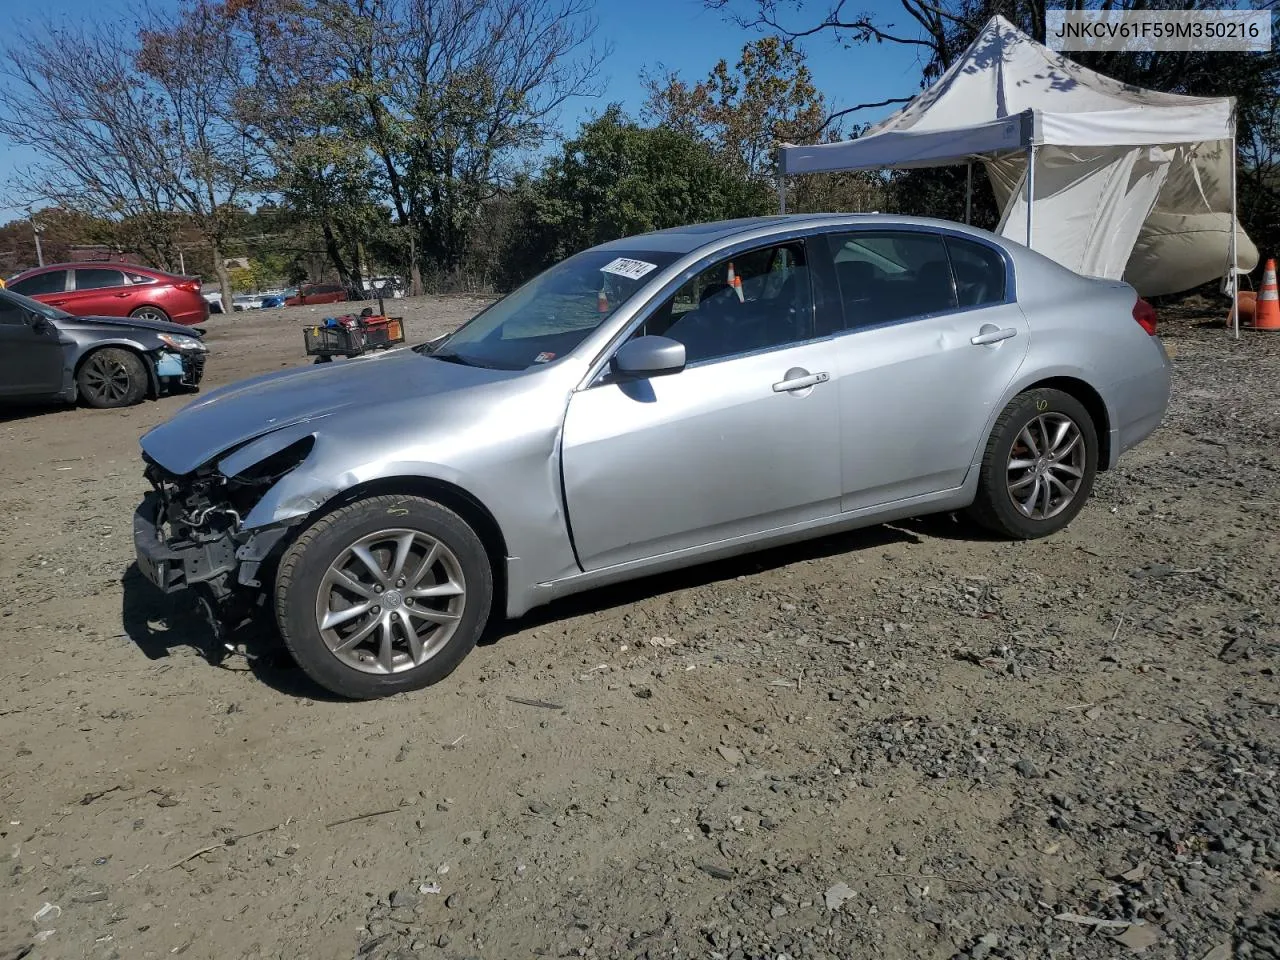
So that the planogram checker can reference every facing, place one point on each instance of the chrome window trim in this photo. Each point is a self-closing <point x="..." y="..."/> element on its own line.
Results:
<point x="686" y="267"/>
<point x="684" y="270"/>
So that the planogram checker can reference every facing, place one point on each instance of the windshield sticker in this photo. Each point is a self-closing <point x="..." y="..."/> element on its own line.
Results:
<point x="631" y="269"/>
<point x="544" y="357"/>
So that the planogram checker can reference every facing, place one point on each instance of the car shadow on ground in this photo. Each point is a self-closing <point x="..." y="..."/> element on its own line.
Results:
<point x="634" y="591"/>
<point x="27" y="409"/>
<point x="161" y="623"/>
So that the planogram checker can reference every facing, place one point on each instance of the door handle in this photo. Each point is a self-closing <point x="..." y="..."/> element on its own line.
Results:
<point x="122" y="293"/>
<point x="993" y="336"/>
<point x="801" y="382"/>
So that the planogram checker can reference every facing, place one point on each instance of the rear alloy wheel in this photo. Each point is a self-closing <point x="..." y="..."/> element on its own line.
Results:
<point x="112" y="377"/>
<point x="150" y="313"/>
<point x="384" y="595"/>
<point x="1039" y="466"/>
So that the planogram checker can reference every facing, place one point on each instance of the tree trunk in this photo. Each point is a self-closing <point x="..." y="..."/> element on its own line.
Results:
<point x="224" y="278"/>
<point x="415" y="268"/>
<point x="335" y="254"/>
<point x="357" y="270"/>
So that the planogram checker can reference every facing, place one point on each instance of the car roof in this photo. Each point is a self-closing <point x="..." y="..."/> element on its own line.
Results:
<point x="685" y="239"/>
<point x="93" y="264"/>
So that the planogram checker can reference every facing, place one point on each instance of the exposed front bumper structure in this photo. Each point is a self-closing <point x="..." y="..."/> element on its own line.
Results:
<point x="184" y="367"/>
<point x="187" y="535"/>
<point x="174" y="567"/>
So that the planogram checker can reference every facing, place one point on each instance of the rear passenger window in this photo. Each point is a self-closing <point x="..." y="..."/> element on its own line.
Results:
<point x="979" y="272"/>
<point x="886" y="276"/>
<point x="95" y="279"/>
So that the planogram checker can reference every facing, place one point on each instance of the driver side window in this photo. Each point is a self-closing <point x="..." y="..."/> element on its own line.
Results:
<point x="12" y="313"/>
<point x="752" y="301"/>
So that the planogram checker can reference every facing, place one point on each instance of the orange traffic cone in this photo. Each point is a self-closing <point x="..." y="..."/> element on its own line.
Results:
<point x="602" y="302"/>
<point x="1267" y="309"/>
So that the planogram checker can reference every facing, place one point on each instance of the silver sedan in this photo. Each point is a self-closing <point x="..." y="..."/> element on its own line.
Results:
<point x="651" y="403"/>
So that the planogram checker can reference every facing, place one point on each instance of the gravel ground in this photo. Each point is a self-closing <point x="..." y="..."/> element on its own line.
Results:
<point x="905" y="742"/>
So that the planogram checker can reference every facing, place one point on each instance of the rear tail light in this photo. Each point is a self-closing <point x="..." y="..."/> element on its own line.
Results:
<point x="189" y="284"/>
<point x="1145" y="314"/>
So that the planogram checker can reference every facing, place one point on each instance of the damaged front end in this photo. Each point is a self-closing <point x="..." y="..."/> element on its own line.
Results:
<point x="189" y="533"/>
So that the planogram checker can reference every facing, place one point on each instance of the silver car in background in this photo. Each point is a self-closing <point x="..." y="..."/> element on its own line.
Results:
<point x="647" y="404"/>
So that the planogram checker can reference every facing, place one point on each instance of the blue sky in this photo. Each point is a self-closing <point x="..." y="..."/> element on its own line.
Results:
<point x="675" y="34"/>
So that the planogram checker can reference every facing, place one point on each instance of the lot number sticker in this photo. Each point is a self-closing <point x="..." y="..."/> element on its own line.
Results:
<point x="631" y="269"/>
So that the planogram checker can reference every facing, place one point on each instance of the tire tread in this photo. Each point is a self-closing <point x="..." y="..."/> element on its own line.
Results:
<point x="991" y="481"/>
<point x="287" y="572"/>
<point x="139" y="382"/>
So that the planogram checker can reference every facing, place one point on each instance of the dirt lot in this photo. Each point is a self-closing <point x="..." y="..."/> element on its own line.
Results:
<point x="905" y="742"/>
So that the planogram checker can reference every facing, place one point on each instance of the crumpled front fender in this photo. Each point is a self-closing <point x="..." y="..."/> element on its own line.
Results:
<point x="308" y="488"/>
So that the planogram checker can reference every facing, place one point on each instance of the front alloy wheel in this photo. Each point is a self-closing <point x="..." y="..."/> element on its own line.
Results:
<point x="383" y="595"/>
<point x="391" y="601"/>
<point x="112" y="377"/>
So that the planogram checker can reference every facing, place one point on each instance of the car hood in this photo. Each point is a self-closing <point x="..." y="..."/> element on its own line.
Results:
<point x="132" y="323"/>
<point x="235" y="414"/>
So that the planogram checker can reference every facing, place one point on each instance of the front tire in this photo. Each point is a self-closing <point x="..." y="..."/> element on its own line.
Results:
<point x="1039" y="466"/>
<point x="384" y="595"/>
<point x="112" y="377"/>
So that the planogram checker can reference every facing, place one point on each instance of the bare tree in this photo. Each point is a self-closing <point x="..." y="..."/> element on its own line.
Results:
<point x="132" y="125"/>
<point x="440" y="96"/>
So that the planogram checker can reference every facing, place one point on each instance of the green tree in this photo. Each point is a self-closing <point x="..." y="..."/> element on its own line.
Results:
<point x="617" y="178"/>
<point x="746" y="111"/>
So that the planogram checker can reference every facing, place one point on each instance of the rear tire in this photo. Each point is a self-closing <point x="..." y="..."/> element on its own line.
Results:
<point x="382" y="596"/>
<point x="150" y="313"/>
<point x="1039" y="466"/>
<point x="112" y="377"/>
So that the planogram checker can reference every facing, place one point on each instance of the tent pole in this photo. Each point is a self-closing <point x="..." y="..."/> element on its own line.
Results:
<point x="1231" y="269"/>
<point x="782" y="191"/>
<point x="968" y="192"/>
<point x="1031" y="185"/>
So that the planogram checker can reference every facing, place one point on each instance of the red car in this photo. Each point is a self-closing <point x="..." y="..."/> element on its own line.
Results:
<point x="101" y="289"/>
<point x="318" y="293"/>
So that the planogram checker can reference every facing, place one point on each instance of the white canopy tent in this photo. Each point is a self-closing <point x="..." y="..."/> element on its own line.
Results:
<point x="1108" y="179"/>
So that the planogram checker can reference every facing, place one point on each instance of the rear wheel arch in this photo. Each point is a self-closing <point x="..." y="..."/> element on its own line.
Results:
<point x="1092" y="401"/>
<point x="150" y="308"/>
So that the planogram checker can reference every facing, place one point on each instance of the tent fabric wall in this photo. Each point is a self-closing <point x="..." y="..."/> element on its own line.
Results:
<point x="1128" y="182"/>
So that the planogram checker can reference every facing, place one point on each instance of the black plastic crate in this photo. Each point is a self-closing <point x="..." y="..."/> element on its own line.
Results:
<point x="324" y="341"/>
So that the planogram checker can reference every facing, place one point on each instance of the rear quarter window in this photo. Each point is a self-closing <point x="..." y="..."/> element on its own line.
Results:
<point x="95" y="279"/>
<point x="979" y="271"/>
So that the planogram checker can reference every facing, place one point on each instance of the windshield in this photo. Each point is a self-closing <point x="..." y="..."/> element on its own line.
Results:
<point x="35" y="306"/>
<point x="552" y="313"/>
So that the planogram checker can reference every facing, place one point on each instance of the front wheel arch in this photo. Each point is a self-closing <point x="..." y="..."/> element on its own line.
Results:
<point x="449" y="495"/>
<point x="148" y="364"/>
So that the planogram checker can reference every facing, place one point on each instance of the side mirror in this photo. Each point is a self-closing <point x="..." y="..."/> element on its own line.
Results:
<point x="646" y="357"/>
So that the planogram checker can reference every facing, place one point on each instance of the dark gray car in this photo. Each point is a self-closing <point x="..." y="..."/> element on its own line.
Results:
<point x="49" y="354"/>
